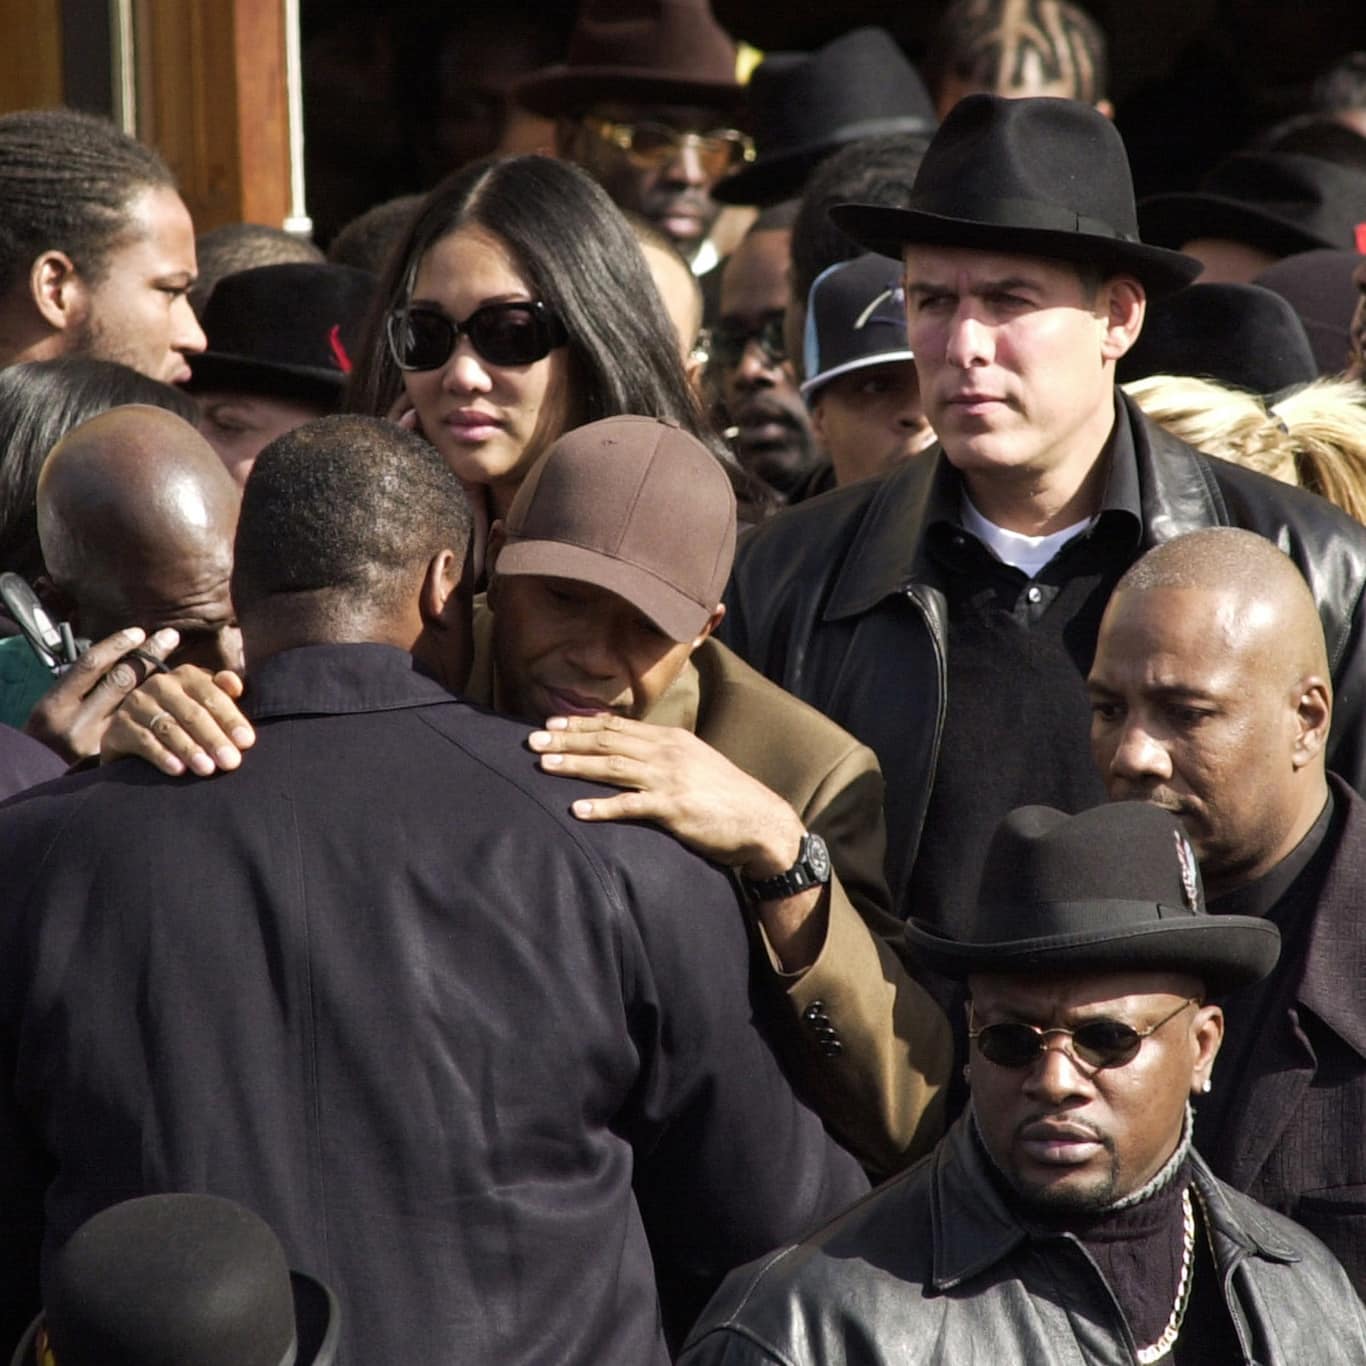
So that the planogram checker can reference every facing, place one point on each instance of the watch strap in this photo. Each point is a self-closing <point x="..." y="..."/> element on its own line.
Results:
<point x="812" y="869"/>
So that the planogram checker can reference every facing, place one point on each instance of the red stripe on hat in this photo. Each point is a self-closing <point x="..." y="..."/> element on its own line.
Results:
<point x="338" y="350"/>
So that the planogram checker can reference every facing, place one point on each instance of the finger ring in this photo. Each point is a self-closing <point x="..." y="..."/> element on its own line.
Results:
<point x="155" y="725"/>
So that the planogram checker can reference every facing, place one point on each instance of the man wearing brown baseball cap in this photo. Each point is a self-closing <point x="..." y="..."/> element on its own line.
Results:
<point x="606" y="585"/>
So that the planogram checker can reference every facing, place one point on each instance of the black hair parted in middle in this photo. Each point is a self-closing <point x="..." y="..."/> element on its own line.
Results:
<point x="582" y="259"/>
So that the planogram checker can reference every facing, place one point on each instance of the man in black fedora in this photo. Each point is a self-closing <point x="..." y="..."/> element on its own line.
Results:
<point x="947" y="614"/>
<point x="803" y="107"/>
<point x="646" y="101"/>
<point x="280" y="342"/>
<point x="1065" y="1216"/>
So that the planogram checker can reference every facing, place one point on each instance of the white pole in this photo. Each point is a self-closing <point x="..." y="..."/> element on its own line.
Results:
<point x="298" y="221"/>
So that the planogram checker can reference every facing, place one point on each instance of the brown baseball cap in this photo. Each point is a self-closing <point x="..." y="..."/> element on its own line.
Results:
<point x="634" y="505"/>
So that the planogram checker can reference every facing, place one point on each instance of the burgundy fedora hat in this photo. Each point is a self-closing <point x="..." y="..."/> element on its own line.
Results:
<point x="650" y="51"/>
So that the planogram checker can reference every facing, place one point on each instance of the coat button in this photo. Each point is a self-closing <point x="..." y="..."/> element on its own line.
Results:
<point x="832" y="1048"/>
<point x="814" y="1010"/>
<point x="1035" y="593"/>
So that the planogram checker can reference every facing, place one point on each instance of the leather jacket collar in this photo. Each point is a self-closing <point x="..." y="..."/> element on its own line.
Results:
<point x="1176" y="495"/>
<point x="974" y="1228"/>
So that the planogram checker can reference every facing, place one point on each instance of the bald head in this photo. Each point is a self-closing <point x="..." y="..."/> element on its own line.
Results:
<point x="1268" y="604"/>
<point x="136" y="515"/>
<point x="1211" y="697"/>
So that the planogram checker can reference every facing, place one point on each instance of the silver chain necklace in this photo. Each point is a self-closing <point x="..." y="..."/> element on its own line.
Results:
<point x="1157" y="1350"/>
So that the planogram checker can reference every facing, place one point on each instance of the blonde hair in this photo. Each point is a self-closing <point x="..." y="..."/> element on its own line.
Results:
<point x="1314" y="437"/>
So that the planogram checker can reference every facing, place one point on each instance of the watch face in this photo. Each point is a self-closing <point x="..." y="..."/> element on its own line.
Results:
<point x="818" y="856"/>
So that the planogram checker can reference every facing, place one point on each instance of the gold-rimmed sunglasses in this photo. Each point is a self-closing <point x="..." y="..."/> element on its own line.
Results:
<point x="650" y="145"/>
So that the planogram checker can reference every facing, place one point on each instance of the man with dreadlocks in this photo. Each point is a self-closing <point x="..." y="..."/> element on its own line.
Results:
<point x="1016" y="48"/>
<point x="96" y="247"/>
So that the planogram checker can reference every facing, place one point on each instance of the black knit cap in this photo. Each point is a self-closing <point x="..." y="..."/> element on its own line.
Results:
<point x="1039" y="177"/>
<point x="167" y="1280"/>
<point x="1114" y="889"/>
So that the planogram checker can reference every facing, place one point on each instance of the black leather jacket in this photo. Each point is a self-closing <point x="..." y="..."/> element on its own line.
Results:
<point x="837" y="600"/>
<point x="933" y="1267"/>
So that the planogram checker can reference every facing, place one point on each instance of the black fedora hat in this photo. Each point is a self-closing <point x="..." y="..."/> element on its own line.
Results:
<point x="1040" y="177"/>
<point x="1282" y="202"/>
<point x="650" y="51"/>
<point x="1114" y="889"/>
<point x="169" y="1279"/>
<point x="289" y="329"/>
<point x="805" y="106"/>
<point x="1240" y="335"/>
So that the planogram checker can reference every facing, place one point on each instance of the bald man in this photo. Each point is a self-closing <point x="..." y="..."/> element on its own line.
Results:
<point x="136" y="516"/>
<point x="1211" y="697"/>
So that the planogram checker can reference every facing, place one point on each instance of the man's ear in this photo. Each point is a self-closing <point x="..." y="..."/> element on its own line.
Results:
<point x="1207" y="1033"/>
<point x="1123" y="303"/>
<point x="1314" y="718"/>
<point x="711" y="624"/>
<point x="57" y="290"/>
<point x="442" y="603"/>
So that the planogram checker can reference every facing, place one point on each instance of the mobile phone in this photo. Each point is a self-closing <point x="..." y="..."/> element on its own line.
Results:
<point x="51" y="641"/>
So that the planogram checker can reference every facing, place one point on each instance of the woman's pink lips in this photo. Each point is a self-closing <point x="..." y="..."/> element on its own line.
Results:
<point x="472" y="426"/>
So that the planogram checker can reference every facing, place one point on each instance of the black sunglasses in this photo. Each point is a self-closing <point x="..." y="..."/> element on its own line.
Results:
<point x="423" y="338"/>
<point x="726" y="341"/>
<point x="1098" y="1043"/>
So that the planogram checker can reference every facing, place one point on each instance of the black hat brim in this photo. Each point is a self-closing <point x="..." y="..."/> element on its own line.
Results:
<point x="771" y="179"/>
<point x="211" y="371"/>
<point x="317" y="1325"/>
<point x="571" y="90"/>
<point x="1172" y="219"/>
<point x="887" y="231"/>
<point x="1224" y="951"/>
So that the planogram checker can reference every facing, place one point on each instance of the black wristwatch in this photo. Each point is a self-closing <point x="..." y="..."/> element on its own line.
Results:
<point x="812" y="869"/>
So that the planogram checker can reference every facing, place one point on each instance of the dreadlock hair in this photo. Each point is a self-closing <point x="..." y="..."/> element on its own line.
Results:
<point x="66" y="182"/>
<point x="999" y="45"/>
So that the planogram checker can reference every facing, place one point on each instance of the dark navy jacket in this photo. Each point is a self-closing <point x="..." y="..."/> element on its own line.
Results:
<point x="469" y="1056"/>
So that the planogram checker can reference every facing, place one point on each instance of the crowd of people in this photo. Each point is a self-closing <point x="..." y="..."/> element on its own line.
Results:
<point x="736" y="738"/>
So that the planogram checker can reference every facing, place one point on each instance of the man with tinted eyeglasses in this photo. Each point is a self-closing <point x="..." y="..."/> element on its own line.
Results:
<point x="749" y="371"/>
<point x="646" y="102"/>
<point x="1065" y="1216"/>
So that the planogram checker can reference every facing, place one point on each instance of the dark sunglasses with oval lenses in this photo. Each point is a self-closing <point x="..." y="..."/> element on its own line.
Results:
<point x="725" y="343"/>
<point x="1099" y="1043"/>
<point x="650" y="145"/>
<point x="422" y="338"/>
